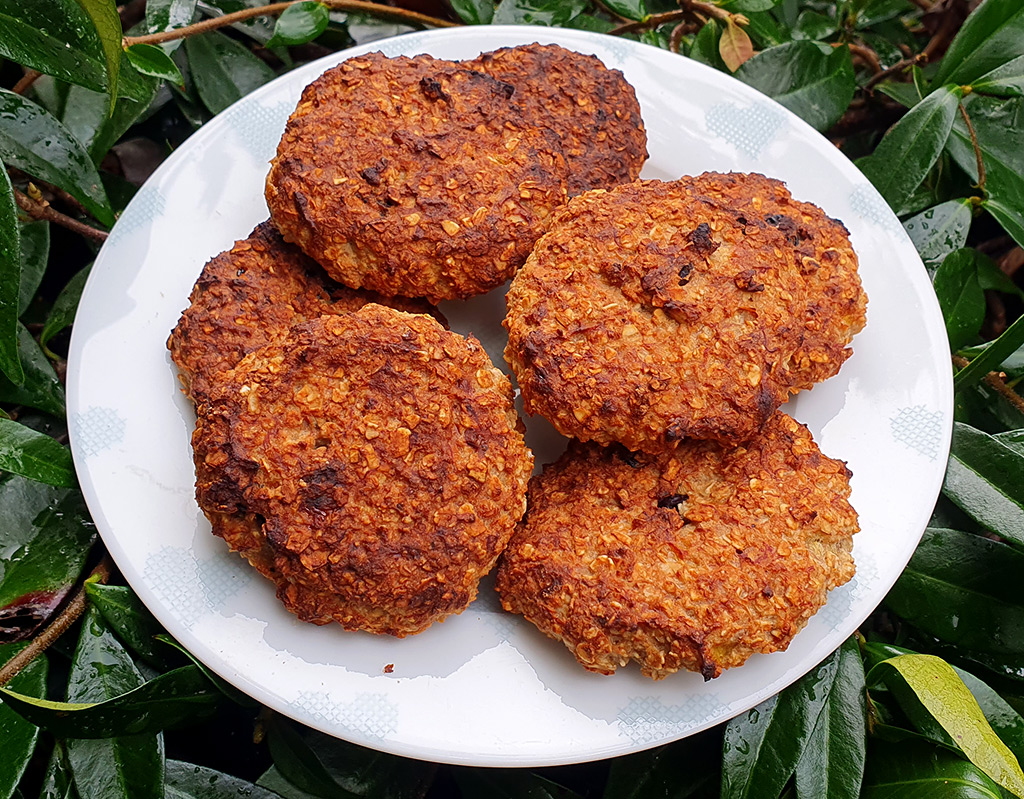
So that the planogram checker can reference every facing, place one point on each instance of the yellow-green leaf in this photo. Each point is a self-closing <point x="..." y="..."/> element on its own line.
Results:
<point x="944" y="695"/>
<point x="735" y="46"/>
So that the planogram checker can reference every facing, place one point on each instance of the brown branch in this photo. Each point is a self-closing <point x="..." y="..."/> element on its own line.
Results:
<point x="866" y="54"/>
<point x="56" y="628"/>
<point x="976" y="146"/>
<point x="994" y="380"/>
<point x="611" y="11"/>
<point x="675" y="40"/>
<point x="924" y="5"/>
<point x="650" y="22"/>
<point x="376" y="9"/>
<point x="905" y="63"/>
<point x="23" y="85"/>
<point x="42" y="210"/>
<point x="943" y="36"/>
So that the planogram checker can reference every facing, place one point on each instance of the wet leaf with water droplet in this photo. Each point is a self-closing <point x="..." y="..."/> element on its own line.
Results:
<point x="18" y="737"/>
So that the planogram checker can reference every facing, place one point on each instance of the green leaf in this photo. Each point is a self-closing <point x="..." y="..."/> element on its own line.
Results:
<point x="165" y="15"/>
<point x="187" y="781"/>
<point x="35" y="251"/>
<point x="479" y="783"/>
<point x="537" y="12"/>
<point x="1006" y="721"/>
<point x="749" y="6"/>
<point x="985" y="479"/>
<point x="814" y="86"/>
<point x="919" y="770"/>
<point x="813" y="25"/>
<point x="630" y="9"/>
<point x="57" y="38"/>
<point x="763" y="746"/>
<point x="991" y="36"/>
<point x="18" y="737"/>
<point x="992" y="278"/>
<point x="832" y="762"/>
<point x="130" y="766"/>
<point x="35" y="142"/>
<point x="676" y="771"/>
<point x="58" y="782"/>
<point x="151" y="60"/>
<point x="42" y="388"/>
<point x="34" y="455"/>
<point x="939" y="231"/>
<point x="107" y="23"/>
<point x="1004" y="81"/>
<point x="943" y="694"/>
<point x="1009" y="342"/>
<point x="961" y="297"/>
<point x="225" y="688"/>
<point x="172" y="699"/>
<point x="906" y="94"/>
<point x="963" y="589"/>
<point x="474" y="12"/>
<point x="62" y="314"/>
<point x="300" y="23"/>
<point x="224" y="71"/>
<point x="912" y="146"/>
<point x="125" y="614"/>
<point x="10" y="279"/>
<point x="705" y="46"/>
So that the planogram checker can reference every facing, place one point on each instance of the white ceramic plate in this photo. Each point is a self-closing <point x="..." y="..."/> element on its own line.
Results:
<point x="483" y="688"/>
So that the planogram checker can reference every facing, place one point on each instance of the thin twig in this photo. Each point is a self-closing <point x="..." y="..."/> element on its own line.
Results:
<point x="994" y="380"/>
<point x="678" y="32"/>
<point x="23" y="85"/>
<point x="977" y="148"/>
<point x="42" y="210"/>
<point x="905" y="63"/>
<point x="607" y="9"/>
<point x="390" y="12"/>
<point x="867" y="55"/>
<point x="652" y="21"/>
<point x="56" y="628"/>
<point x="943" y="36"/>
<point x="924" y="5"/>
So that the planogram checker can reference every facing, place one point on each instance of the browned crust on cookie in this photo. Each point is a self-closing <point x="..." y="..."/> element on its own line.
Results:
<point x="592" y="108"/>
<point x="695" y="559"/>
<point x="660" y="311"/>
<point x="251" y="295"/>
<point x="414" y="177"/>
<point x="371" y="464"/>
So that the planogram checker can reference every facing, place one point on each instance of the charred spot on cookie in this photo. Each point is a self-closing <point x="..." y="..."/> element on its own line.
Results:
<point x="701" y="239"/>
<point x="673" y="501"/>
<point x="432" y="89"/>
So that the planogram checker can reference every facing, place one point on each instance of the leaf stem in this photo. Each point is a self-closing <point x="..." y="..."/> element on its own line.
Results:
<point x="57" y="628"/>
<point x="377" y="9"/>
<point x="977" y="148"/>
<point x="689" y="9"/>
<point x="43" y="210"/>
<point x="649" y="22"/>
<point x="23" y="85"/>
<point x="902" y="64"/>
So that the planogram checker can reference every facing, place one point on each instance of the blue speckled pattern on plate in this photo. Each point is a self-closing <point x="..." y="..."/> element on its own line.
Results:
<point x="484" y="688"/>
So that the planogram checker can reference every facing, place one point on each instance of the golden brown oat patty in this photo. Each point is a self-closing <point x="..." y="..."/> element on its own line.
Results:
<point x="249" y="296"/>
<point x="414" y="177"/>
<point x="660" y="311"/>
<point x="694" y="559"/>
<point x="592" y="108"/>
<point x="372" y="464"/>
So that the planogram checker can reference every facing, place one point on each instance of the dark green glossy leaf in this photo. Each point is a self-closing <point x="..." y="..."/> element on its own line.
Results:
<point x="36" y="142"/>
<point x="815" y="86"/>
<point x="480" y="783"/>
<point x="332" y="769"/>
<point x="188" y="781"/>
<point x="167" y="701"/>
<point x="676" y="771"/>
<point x="151" y="60"/>
<point x="832" y="762"/>
<point x="985" y="479"/>
<point x="963" y="589"/>
<point x="630" y="9"/>
<point x="763" y="746"/>
<point x="474" y="12"/>
<point x="939" y="231"/>
<point x="85" y="116"/>
<point x="705" y="46"/>
<point x="764" y="30"/>
<point x="273" y="780"/>
<point x="1004" y="81"/>
<point x="1009" y="342"/>
<point x="35" y="250"/>
<point x="57" y="38"/>
<point x="749" y="6"/>
<point x="42" y="388"/>
<point x="813" y="25"/>
<point x="62" y="314"/>
<point x="224" y="71"/>
<point x="300" y="23"/>
<point x="18" y="737"/>
<point x="873" y="12"/>
<point x="931" y="682"/>
<point x="125" y="614"/>
<point x="130" y="766"/>
<point x="34" y="455"/>
<point x="992" y="278"/>
<point x="537" y="12"/>
<point x="991" y="36"/>
<point x="165" y="15"/>
<point x="107" y="23"/>
<point x="912" y="146"/>
<point x="58" y="782"/>
<point x="905" y="94"/>
<point x="10" y="279"/>
<point x="961" y="297"/>
<point x="225" y="688"/>
<point x="919" y="770"/>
